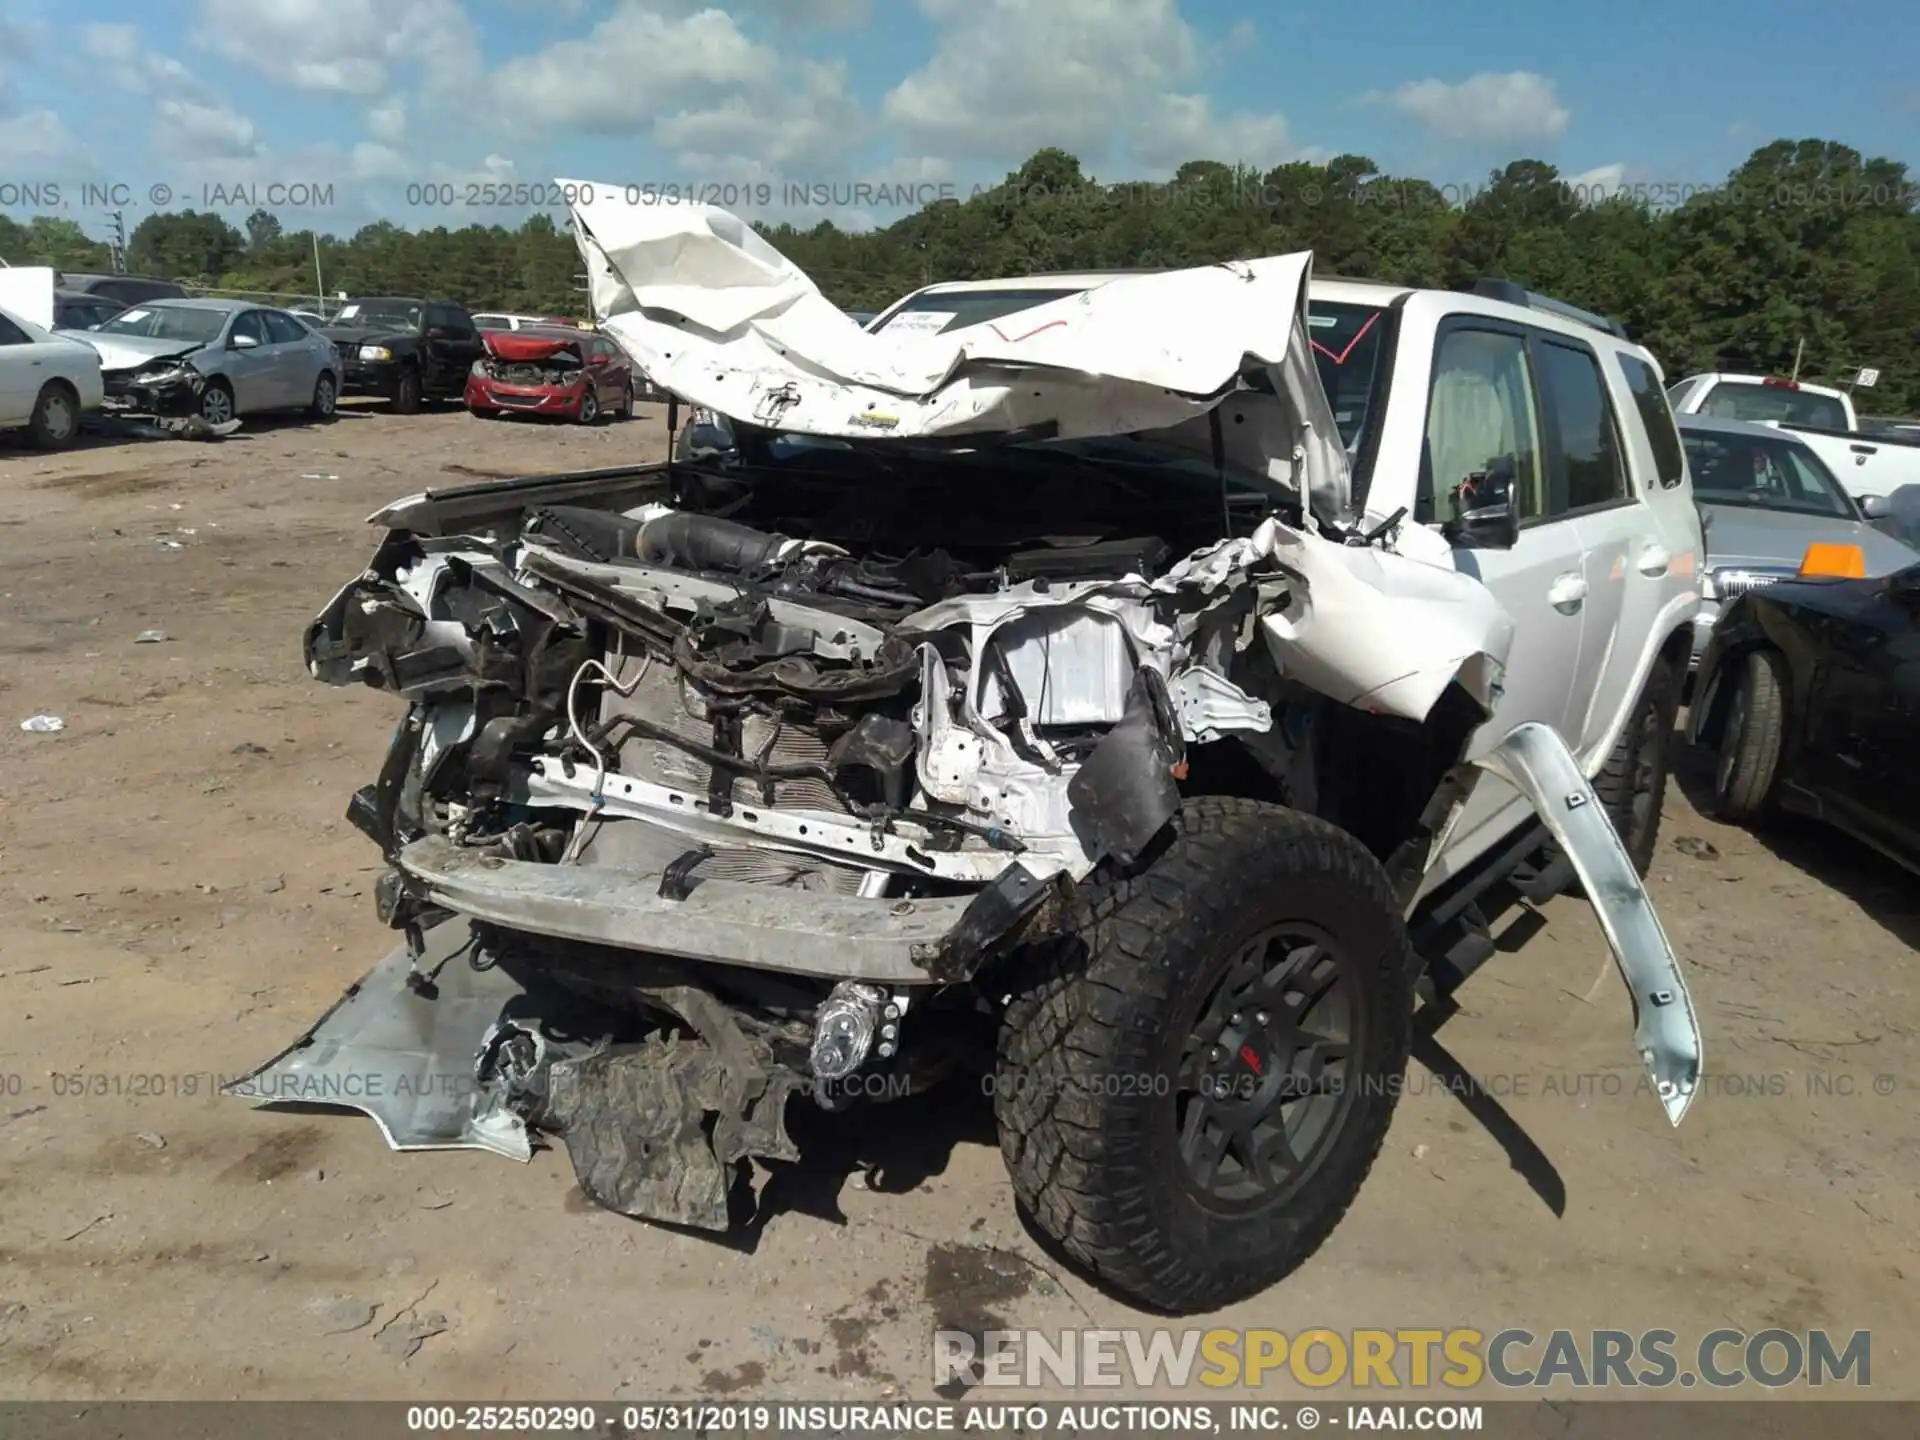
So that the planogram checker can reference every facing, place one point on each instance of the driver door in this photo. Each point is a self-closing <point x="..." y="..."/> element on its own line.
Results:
<point x="1485" y="406"/>
<point x="250" y="365"/>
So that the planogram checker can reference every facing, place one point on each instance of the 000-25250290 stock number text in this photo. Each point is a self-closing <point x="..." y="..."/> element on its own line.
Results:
<point x="482" y="194"/>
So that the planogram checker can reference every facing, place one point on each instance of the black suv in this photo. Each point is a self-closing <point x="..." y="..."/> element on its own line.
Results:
<point x="405" y="349"/>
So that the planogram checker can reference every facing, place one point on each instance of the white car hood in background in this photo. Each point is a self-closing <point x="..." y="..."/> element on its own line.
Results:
<point x="27" y="290"/>
<point x="127" y="352"/>
<point x="713" y="313"/>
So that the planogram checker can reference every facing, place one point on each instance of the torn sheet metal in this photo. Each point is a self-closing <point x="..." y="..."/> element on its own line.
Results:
<point x="1535" y="760"/>
<point x="718" y="316"/>
<point x="406" y="1056"/>
<point x="1382" y="631"/>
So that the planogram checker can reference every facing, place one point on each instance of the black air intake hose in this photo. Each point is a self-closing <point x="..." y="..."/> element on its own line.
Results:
<point x="702" y="542"/>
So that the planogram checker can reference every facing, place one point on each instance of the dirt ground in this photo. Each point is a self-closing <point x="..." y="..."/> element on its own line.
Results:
<point x="180" y="897"/>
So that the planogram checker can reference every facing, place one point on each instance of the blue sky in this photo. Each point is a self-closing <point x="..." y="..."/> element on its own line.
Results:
<point x="371" y="108"/>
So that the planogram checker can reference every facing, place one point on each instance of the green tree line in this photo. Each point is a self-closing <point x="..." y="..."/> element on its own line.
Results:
<point x="1808" y="247"/>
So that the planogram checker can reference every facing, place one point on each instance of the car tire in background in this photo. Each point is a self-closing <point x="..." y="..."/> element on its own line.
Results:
<point x="1748" y="757"/>
<point x="1633" y="783"/>
<point x="589" y="409"/>
<point x="1189" y="1094"/>
<point x="216" y="402"/>
<point x="326" y="396"/>
<point x="55" y="423"/>
<point x="627" y="403"/>
<point x="407" y="393"/>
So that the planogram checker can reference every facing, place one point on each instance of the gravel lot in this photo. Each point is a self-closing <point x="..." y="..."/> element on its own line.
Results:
<point x="180" y="897"/>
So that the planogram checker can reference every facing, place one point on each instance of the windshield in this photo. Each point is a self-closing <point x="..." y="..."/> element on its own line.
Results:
<point x="1346" y="350"/>
<point x="168" y="322"/>
<point x="1763" y="474"/>
<point x="933" y="314"/>
<point x="1743" y="400"/>
<point x="401" y="314"/>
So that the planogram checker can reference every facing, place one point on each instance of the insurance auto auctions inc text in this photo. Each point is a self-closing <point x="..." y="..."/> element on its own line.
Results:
<point x="1401" y="1358"/>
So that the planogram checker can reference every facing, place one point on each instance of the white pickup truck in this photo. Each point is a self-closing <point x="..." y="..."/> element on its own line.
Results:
<point x="1867" y="463"/>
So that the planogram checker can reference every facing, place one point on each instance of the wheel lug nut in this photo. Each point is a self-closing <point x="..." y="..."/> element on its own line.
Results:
<point x="1234" y="1019"/>
<point x="1216" y="1054"/>
<point x="1260" y="1017"/>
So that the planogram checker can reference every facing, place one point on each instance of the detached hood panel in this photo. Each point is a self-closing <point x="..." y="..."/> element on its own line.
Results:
<point x="715" y="314"/>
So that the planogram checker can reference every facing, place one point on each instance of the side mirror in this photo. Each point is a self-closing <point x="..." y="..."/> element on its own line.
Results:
<point x="242" y="342"/>
<point x="1875" y="507"/>
<point x="1484" y="517"/>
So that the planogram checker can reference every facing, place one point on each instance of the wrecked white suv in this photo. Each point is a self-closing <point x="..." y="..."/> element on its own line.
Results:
<point x="1125" y="698"/>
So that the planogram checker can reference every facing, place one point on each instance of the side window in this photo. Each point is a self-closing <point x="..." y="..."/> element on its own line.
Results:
<point x="248" y="323"/>
<point x="1481" y="409"/>
<point x="1587" y="467"/>
<point x="1657" y="417"/>
<point x="12" y="334"/>
<point x="283" y="329"/>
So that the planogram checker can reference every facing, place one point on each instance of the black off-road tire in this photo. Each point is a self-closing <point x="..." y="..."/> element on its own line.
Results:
<point x="1748" y="757"/>
<point x="408" y="394"/>
<point x="1637" y="767"/>
<point x="1091" y="1045"/>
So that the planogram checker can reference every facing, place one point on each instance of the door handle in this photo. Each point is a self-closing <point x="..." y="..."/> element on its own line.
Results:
<point x="1654" y="560"/>
<point x="1567" y="591"/>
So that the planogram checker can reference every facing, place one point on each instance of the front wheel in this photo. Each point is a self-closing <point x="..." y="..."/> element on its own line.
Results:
<point x="1749" y="754"/>
<point x="216" y="403"/>
<point x="326" y="396"/>
<point x="589" y="408"/>
<point x="1190" y="1094"/>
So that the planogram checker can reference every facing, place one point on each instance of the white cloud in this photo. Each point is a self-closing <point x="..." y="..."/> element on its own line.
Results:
<point x="189" y="130"/>
<point x="347" y="47"/>
<point x="725" y="105"/>
<point x="191" y="121"/>
<point x="1599" y="183"/>
<point x="1184" y="127"/>
<point x="37" y="143"/>
<point x="1011" y="76"/>
<point x="633" y="65"/>
<point x="1244" y="35"/>
<point x="1517" y="106"/>
<point x="387" y="121"/>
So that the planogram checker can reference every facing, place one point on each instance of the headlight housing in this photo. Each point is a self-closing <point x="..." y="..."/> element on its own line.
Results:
<point x="375" y="352"/>
<point x="169" y="374"/>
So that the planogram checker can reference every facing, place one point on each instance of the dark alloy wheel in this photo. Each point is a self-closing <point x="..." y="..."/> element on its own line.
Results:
<point x="1265" y="1072"/>
<point x="1190" y="1091"/>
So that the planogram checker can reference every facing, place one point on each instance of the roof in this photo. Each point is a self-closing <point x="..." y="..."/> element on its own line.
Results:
<point x="204" y="302"/>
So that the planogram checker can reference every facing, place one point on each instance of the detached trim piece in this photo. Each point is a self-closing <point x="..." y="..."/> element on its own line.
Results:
<point x="764" y="927"/>
<point x="1536" y="761"/>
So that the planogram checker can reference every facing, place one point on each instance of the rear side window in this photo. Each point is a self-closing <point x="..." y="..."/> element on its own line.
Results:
<point x="1656" y="417"/>
<point x="12" y="334"/>
<point x="1741" y="400"/>
<point x="1586" y="469"/>
<point x="1481" y="409"/>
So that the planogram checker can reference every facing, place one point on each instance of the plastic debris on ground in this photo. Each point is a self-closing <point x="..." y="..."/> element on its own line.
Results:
<point x="43" y="725"/>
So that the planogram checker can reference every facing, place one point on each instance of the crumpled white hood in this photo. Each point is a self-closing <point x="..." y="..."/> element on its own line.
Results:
<point x="718" y="316"/>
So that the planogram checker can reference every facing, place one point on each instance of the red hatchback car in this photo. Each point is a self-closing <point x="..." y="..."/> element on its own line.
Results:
<point x="550" y="370"/>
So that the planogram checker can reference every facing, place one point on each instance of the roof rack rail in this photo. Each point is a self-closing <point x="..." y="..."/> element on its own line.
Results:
<point x="1514" y="294"/>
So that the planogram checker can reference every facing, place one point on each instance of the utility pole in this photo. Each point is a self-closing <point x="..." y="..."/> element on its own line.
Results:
<point x="120" y="242"/>
<point x="319" y="286"/>
<point x="1798" y="350"/>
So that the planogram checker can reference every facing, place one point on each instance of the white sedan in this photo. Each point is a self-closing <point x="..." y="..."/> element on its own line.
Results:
<point x="46" y="381"/>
